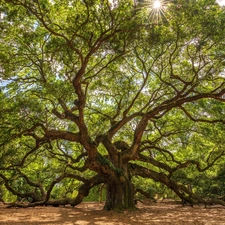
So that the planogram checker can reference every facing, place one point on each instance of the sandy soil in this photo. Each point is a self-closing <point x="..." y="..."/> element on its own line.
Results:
<point x="92" y="213"/>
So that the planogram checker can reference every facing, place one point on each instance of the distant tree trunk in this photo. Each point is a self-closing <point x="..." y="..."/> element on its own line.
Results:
<point x="102" y="186"/>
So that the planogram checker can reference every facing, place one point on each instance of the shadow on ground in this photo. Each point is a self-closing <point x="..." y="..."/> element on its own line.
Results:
<point x="92" y="213"/>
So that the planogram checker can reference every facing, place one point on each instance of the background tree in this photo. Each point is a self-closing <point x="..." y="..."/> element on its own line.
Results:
<point x="96" y="93"/>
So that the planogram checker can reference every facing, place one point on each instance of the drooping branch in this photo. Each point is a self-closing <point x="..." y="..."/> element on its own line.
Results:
<point x="60" y="178"/>
<point x="179" y="189"/>
<point x="83" y="191"/>
<point x="31" y="195"/>
<point x="180" y="164"/>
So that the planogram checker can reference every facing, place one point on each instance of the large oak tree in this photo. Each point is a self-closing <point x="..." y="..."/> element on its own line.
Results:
<point x="98" y="92"/>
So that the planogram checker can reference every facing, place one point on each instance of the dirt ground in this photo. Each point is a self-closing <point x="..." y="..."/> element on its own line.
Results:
<point x="92" y="213"/>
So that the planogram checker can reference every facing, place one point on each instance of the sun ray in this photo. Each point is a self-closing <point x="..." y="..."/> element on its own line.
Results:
<point x="157" y="4"/>
<point x="158" y="10"/>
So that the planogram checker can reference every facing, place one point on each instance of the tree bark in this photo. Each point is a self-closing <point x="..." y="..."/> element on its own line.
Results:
<point x="120" y="196"/>
<point x="120" y="191"/>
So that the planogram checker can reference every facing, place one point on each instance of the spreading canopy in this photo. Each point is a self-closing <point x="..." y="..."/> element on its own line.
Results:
<point x="97" y="92"/>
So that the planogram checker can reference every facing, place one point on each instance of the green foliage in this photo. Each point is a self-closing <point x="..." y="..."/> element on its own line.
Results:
<point x="78" y="76"/>
<point x="97" y="194"/>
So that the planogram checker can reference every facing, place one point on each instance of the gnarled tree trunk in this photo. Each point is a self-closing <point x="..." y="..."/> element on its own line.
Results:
<point x="120" y="195"/>
<point x="120" y="191"/>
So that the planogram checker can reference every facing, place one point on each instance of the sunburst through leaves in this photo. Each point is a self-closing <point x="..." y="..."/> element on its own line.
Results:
<point x="158" y="11"/>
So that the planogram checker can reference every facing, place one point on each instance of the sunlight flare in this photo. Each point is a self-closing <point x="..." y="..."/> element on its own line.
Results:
<point x="158" y="11"/>
<point x="157" y="4"/>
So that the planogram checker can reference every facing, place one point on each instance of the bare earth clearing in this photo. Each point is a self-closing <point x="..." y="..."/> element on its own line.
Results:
<point x="92" y="213"/>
